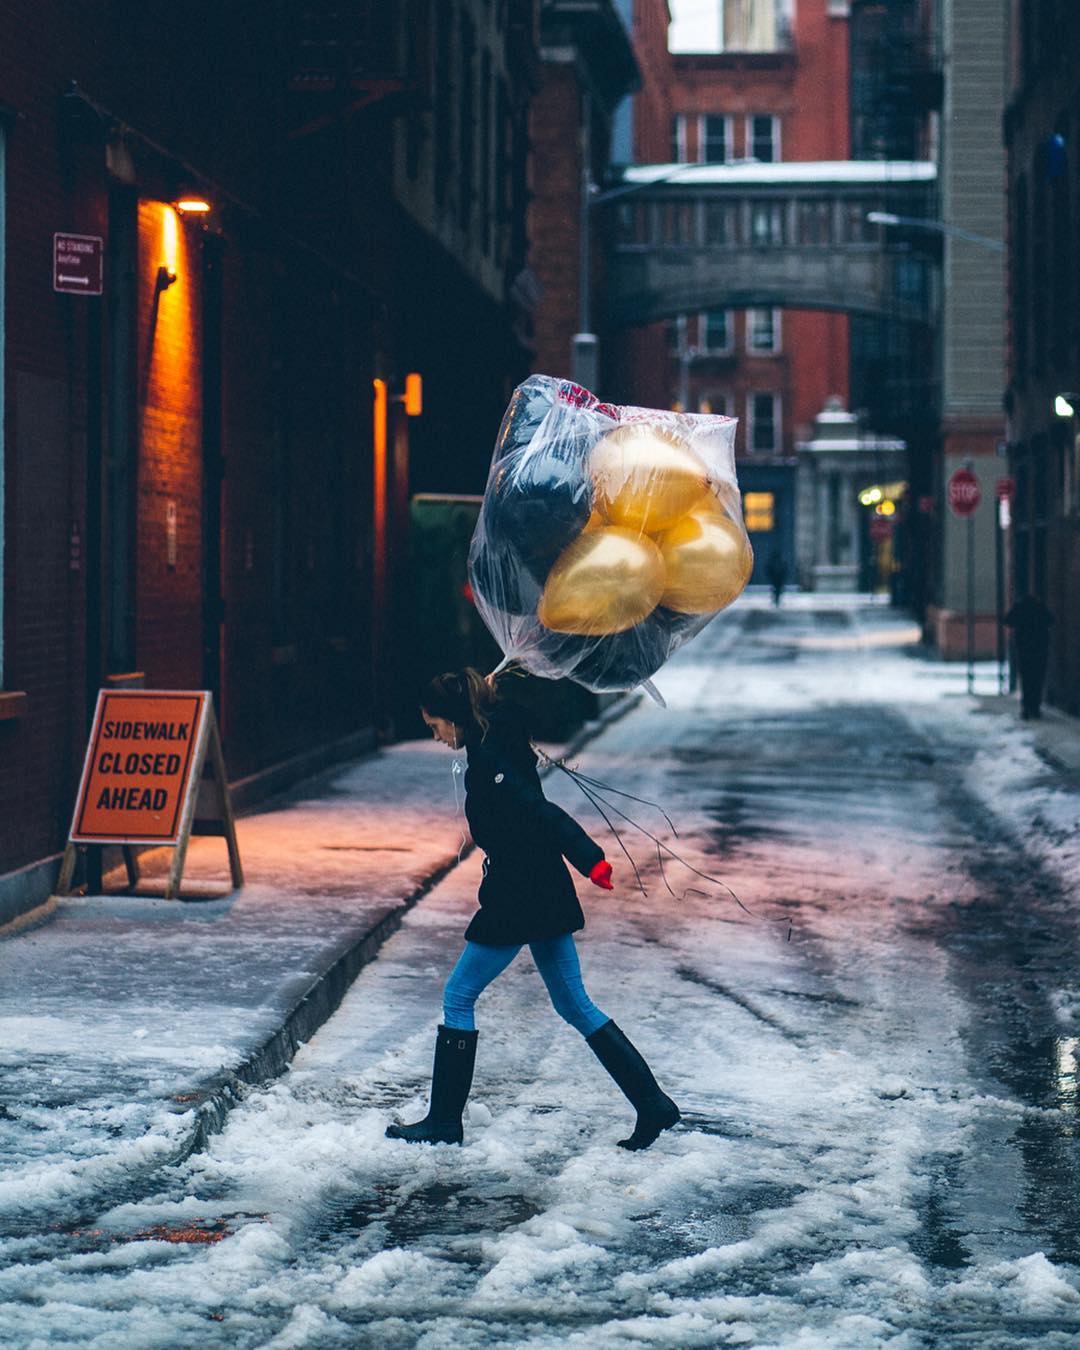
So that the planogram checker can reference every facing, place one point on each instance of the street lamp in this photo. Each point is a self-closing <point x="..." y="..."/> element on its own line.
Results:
<point x="585" y="345"/>
<point x="937" y="226"/>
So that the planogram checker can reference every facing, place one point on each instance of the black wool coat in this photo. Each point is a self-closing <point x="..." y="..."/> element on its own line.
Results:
<point x="527" y="893"/>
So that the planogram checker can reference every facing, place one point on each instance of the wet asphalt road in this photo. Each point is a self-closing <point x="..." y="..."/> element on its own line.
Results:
<point x="881" y="1113"/>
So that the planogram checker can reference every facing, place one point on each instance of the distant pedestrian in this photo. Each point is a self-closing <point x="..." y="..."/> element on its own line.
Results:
<point x="526" y="896"/>
<point x="776" y="570"/>
<point x="1031" y="622"/>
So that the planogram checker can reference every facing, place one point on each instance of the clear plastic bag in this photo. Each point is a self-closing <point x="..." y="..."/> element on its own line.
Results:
<point x="608" y="536"/>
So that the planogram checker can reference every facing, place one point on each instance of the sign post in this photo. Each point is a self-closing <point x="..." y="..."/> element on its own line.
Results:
<point x="964" y="496"/>
<point x="1005" y="492"/>
<point x="153" y="775"/>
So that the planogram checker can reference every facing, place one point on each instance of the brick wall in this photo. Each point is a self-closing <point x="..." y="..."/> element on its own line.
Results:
<point x="57" y="404"/>
<point x="168" y="587"/>
<point x="806" y="90"/>
<point x="554" y="225"/>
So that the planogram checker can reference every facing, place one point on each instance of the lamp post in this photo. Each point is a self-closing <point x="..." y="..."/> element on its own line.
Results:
<point x="585" y="345"/>
<point x="937" y="227"/>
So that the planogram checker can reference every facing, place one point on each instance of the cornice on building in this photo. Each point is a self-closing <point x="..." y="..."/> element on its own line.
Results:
<point x="593" y="34"/>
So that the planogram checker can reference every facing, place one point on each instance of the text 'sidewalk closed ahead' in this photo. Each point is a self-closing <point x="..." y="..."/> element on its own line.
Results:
<point x="138" y="769"/>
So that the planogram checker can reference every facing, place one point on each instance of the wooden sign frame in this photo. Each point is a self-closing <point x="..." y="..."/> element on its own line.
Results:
<point x="204" y="807"/>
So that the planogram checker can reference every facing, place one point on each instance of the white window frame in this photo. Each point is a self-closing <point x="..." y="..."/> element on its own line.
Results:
<point x="703" y="332"/>
<point x="777" y="336"/>
<point x="729" y="148"/>
<point x="751" y="428"/>
<point x="682" y="148"/>
<point x="777" y="150"/>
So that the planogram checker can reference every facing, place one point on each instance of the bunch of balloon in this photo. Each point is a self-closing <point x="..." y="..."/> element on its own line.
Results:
<point x="608" y="536"/>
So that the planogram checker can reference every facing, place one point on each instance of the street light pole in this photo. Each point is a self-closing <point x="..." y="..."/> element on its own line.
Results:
<point x="585" y="345"/>
<point x="936" y="226"/>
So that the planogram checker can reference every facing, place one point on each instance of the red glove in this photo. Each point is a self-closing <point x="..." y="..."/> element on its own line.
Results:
<point x="601" y="875"/>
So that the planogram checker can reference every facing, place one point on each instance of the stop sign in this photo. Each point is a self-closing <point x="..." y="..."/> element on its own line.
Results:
<point x="963" y="493"/>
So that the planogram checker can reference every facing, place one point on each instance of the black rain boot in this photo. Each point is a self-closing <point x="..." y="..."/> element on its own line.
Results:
<point x="656" y="1111"/>
<point x="451" y="1079"/>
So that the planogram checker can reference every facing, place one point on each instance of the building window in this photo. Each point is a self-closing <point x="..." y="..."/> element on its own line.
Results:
<point x="766" y="224"/>
<point x="486" y="153"/>
<point x="714" y="139"/>
<point x="680" y="149"/>
<point x="755" y="25"/>
<point x="763" y="416"/>
<point x="467" y="124"/>
<point x="443" y="103"/>
<point x="759" y="511"/>
<point x="716" y="329"/>
<point x="763" y="331"/>
<point x="715" y="402"/>
<point x="763" y="139"/>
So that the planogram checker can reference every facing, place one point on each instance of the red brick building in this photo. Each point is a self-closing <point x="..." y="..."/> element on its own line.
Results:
<point x="199" y="486"/>
<point x="588" y="65"/>
<point x="778" y="90"/>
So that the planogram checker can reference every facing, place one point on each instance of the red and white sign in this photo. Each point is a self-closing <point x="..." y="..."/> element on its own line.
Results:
<point x="1005" y="489"/>
<point x="78" y="263"/>
<point x="963" y="493"/>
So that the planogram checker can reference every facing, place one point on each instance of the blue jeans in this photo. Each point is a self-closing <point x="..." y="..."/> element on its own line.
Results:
<point x="556" y="960"/>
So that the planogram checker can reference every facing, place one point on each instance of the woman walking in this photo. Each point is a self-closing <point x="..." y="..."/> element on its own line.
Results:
<point x="526" y="897"/>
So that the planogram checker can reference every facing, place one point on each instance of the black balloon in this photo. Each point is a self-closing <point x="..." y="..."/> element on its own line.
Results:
<point x="538" y="503"/>
<point x="613" y="661"/>
<point x="529" y="405"/>
<point x="498" y="576"/>
<point x="679" y="628"/>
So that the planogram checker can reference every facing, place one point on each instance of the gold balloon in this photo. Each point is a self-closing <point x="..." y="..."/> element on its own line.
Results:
<point x="646" y="478"/>
<point x="708" y="560"/>
<point x="607" y="580"/>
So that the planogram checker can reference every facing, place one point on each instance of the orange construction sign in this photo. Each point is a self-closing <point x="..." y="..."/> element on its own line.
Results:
<point x="138" y="769"/>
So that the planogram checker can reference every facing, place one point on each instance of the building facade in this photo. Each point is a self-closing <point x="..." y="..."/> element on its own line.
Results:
<point x="205" y="469"/>
<point x="768" y="94"/>
<point x="1042" y="133"/>
<point x="971" y="175"/>
<point x="588" y="66"/>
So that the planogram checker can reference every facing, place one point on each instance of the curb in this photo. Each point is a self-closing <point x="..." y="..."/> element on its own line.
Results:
<point x="322" y="999"/>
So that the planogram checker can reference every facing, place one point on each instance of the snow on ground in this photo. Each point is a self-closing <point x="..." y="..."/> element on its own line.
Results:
<point x="849" y="1173"/>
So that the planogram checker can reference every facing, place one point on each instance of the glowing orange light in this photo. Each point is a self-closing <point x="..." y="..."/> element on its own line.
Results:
<point x="170" y="240"/>
<point x="195" y="206"/>
<point x="414" y="394"/>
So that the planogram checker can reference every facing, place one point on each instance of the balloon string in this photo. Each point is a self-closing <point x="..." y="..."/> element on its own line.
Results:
<point x="618" y="837"/>
<point x="661" y="847"/>
<point x="596" y="783"/>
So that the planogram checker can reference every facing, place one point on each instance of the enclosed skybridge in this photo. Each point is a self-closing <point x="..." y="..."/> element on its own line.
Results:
<point x="798" y="235"/>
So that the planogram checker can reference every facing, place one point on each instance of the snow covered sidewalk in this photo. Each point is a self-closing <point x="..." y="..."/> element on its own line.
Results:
<point x="127" y="1023"/>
